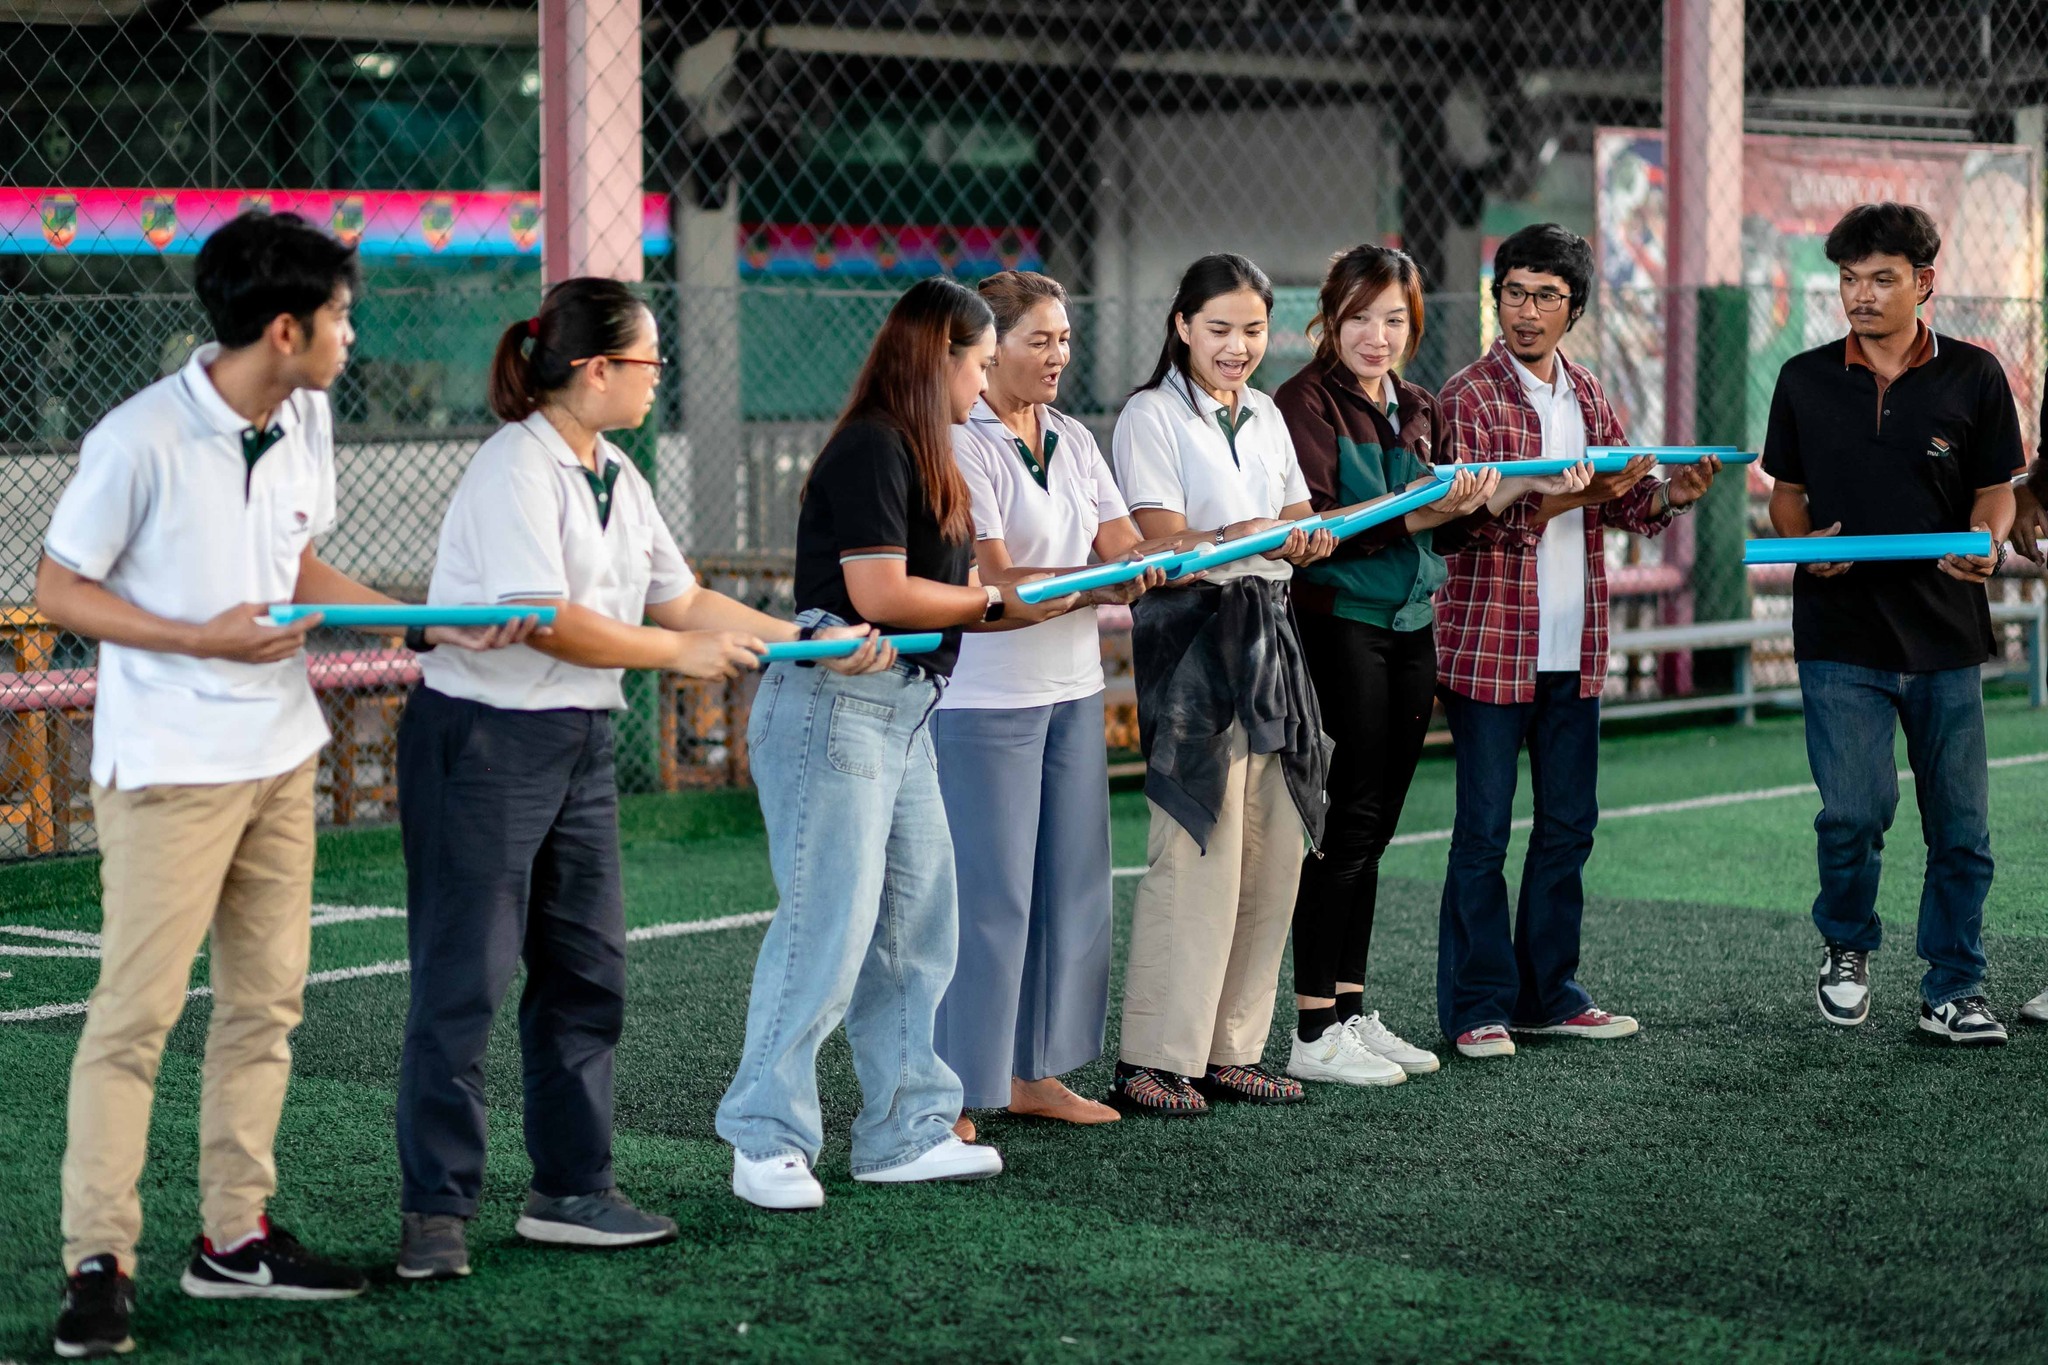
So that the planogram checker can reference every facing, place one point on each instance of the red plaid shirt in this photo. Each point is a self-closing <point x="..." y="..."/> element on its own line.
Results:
<point x="1487" y="614"/>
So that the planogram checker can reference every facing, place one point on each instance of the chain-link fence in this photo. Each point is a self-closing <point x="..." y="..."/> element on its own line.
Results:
<point x="795" y="164"/>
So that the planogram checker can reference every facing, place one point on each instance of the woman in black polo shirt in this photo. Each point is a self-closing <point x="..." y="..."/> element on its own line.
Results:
<point x="868" y="922"/>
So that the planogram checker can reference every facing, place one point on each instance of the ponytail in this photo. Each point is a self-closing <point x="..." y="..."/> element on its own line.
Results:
<point x="578" y="319"/>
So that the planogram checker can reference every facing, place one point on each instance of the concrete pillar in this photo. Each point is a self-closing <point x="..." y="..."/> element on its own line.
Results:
<point x="710" y="502"/>
<point x="591" y="210"/>
<point x="1705" y="311"/>
<point x="713" y="511"/>
<point x="590" y="127"/>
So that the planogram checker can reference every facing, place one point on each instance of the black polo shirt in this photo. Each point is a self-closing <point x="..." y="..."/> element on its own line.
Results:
<point x="864" y="492"/>
<point x="1897" y="459"/>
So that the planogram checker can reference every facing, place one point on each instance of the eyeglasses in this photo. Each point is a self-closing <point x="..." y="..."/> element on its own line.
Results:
<point x="656" y="365"/>
<point x="1547" y="300"/>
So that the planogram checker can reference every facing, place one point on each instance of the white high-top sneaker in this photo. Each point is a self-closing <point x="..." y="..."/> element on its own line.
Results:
<point x="1340" y="1056"/>
<point x="1384" y="1042"/>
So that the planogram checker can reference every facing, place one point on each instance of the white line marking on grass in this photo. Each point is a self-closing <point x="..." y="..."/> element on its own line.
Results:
<point x="399" y="966"/>
<point x="1717" y="799"/>
<point x="349" y="914"/>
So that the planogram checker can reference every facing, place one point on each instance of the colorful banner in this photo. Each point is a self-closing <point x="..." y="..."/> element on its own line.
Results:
<point x="781" y="251"/>
<point x="1985" y="199"/>
<point x="380" y="223"/>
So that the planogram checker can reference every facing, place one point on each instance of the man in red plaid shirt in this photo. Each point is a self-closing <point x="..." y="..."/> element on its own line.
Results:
<point x="1522" y="655"/>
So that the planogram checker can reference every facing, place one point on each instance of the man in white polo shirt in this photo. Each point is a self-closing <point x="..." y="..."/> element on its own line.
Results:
<point x="195" y="506"/>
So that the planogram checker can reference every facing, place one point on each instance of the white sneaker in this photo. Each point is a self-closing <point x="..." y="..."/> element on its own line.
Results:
<point x="778" y="1182"/>
<point x="950" y="1160"/>
<point x="1384" y="1042"/>
<point x="2036" y="1009"/>
<point x="1340" y="1056"/>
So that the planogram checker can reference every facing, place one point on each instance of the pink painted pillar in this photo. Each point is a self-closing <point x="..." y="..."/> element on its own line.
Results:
<point x="1703" y="86"/>
<point x="590" y="130"/>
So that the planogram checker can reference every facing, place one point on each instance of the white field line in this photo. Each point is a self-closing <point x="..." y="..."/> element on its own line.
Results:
<point x="1741" y="798"/>
<point x="349" y="914"/>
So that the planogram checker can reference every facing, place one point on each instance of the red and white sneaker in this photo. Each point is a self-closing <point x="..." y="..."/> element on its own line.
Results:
<point x="1491" y="1040"/>
<point x="1587" y="1023"/>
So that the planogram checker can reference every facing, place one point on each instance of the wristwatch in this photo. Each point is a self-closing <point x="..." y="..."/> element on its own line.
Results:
<point x="994" y="610"/>
<point x="1675" y="509"/>
<point x="416" y="639"/>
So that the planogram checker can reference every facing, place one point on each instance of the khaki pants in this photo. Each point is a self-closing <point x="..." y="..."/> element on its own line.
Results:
<point x="235" y="859"/>
<point x="1208" y="931"/>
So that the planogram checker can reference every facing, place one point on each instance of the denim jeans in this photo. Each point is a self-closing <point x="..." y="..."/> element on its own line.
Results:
<point x="867" y="926"/>
<point x="1851" y="713"/>
<point x="1484" y="975"/>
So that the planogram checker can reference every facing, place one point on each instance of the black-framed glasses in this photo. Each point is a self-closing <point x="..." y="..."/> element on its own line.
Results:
<point x="1547" y="300"/>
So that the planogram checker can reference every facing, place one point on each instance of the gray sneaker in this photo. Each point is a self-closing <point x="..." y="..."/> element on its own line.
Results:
<point x="432" y="1246"/>
<point x="604" y="1219"/>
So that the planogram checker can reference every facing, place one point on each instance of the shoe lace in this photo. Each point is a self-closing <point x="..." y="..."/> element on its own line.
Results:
<point x="1369" y="1028"/>
<point x="1847" y="964"/>
<point x="1974" y="1004"/>
<point x="282" y="1246"/>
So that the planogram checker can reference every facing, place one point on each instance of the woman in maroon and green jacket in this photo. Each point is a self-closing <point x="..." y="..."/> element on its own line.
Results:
<point x="1361" y="431"/>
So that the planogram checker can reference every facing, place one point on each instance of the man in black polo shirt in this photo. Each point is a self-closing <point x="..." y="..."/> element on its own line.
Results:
<point x="1895" y="430"/>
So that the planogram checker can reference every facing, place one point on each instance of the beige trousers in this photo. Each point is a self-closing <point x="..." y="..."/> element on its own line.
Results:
<point x="1208" y="931"/>
<point x="234" y="859"/>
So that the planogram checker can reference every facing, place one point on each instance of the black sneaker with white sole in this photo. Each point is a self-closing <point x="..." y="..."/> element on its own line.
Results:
<point x="1843" y="993"/>
<point x="274" y="1266"/>
<point x="603" y="1219"/>
<point x="1968" y="1020"/>
<point x="98" y="1302"/>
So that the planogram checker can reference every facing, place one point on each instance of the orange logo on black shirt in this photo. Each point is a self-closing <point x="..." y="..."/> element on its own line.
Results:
<point x="1938" y="449"/>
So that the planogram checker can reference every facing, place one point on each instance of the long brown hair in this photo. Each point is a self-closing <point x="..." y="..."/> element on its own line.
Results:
<point x="1357" y="277"/>
<point x="578" y="319"/>
<point x="902" y="384"/>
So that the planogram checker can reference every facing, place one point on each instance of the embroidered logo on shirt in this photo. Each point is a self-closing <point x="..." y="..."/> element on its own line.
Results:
<point x="1938" y="449"/>
<point x="299" y="517"/>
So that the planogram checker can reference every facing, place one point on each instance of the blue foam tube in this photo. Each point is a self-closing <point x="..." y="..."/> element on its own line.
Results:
<point x="1387" y="508"/>
<point x="1244" y="547"/>
<point x="1679" y="454"/>
<point x="923" y="642"/>
<point x="1864" y="549"/>
<point x="356" y="614"/>
<point x="1100" y="575"/>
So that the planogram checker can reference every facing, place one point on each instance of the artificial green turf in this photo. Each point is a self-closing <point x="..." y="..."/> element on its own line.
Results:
<point x="1740" y="1182"/>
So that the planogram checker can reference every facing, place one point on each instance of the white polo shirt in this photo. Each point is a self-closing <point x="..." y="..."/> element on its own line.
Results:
<point x="166" y="513"/>
<point x="1054" y="527"/>
<point x="524" y="523"/>
<point x="1171" y="452"/>
<point x="1561" y="554"/>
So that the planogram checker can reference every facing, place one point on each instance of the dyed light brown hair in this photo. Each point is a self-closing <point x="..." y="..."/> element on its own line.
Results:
<point x="1357" y="277"/>
<point x="1013" y="293"/>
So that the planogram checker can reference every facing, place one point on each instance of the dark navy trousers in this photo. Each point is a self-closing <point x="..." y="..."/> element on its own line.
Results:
<point x="1489" y="972"/>
<point x="510" y="822"/>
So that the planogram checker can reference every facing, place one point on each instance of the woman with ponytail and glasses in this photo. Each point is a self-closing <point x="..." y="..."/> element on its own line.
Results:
<point x="1234" y="749"/>
<point x="1022" y="763"/>
<point x="508" y="802"/>
<point x="867" y="924"/>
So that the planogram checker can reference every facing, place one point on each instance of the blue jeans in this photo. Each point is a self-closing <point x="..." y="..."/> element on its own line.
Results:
<point x="867" y="925"/>
<point x="1485" y="974"/>
<point x="1850" y="717"/>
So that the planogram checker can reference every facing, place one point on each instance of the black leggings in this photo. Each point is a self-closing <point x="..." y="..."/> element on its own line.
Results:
<point x="1376" y="687"/>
